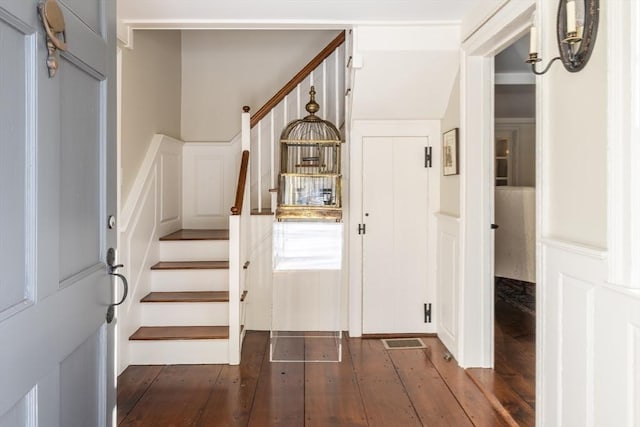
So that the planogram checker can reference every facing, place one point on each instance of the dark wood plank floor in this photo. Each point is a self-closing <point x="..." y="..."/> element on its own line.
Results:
<point x="372" y="386"/>
<point x="511" y="385"/>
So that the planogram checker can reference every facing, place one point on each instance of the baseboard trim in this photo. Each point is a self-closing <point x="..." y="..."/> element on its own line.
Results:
<point x="388" y="336"/>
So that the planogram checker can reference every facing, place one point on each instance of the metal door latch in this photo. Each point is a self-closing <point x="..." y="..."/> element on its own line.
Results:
<point x="362" y="229"/>
<point x="111" y="270"/>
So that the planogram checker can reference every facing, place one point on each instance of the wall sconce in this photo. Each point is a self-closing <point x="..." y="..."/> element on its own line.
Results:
<point x="577" y="27"/>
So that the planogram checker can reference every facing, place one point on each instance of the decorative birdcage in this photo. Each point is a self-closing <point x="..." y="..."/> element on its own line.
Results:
<point x="310" y="176"/>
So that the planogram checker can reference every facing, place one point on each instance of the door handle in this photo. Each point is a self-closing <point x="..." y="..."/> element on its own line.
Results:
<point x="111" y="270"/>
<point x="494" y="226"/>
<point x="53" y="23"/>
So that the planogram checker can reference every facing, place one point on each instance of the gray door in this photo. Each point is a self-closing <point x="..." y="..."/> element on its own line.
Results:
<point x="57" y="189"/>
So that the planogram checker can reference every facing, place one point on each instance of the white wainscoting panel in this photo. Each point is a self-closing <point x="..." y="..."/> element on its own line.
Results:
<point x="576" y="348"/>
<point x="210" y="180"/>
<point x="171" y="182"/>
<point x="566" y="305"/>
<point x="260" y="274"/>
<point x="617" y="357"/>
<point x="153" y="209"/>
<point x="446" y="313"/>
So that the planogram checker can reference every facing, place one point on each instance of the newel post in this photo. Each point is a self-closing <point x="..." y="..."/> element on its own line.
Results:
<point x="246" y="128"/>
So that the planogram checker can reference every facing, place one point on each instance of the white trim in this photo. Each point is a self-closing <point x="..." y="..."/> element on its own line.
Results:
<point x="475" y="340"/>
<point x="543" y="138"/>
<point x="623" y="133"/>
<point x="126" y="27"/>
<point x="447" y="217"/>
<point x="480" y="16"/>
<point x="575" y="248"/>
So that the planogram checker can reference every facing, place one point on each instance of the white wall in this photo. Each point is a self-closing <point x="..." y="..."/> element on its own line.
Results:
<point x="450" y="185"/>
<point x="151" y="86"/>
<point x="589" y="345"/>
<point x="575" y="139"/>
<point x="223" y="70"/>
<point x="404" y="73"/>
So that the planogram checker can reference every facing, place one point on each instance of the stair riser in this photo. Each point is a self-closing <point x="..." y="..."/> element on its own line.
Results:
<point x="185" y="314"/>
<point x="179" y="352"/>
<point x="194" y="250"/>
<point x="189" y="280"/>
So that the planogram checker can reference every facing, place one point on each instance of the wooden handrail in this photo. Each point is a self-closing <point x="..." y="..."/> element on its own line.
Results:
<point x="236" y="209"/>
<point x="297" y="79"/>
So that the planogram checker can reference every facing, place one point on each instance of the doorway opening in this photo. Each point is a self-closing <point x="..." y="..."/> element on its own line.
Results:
<point x="511" y="381"/>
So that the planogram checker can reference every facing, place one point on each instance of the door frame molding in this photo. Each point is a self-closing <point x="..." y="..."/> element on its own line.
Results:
<point x="475" y="335"/>
<point x="353" y="205"/>
<point x="623" y="178"/>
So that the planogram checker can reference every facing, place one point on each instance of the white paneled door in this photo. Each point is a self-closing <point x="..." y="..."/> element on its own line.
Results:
<point x="394" y="243"/>
<point x="57" y="190"/>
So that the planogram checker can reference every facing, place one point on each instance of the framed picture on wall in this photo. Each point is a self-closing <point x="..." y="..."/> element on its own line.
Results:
<point x="450" y="152"/>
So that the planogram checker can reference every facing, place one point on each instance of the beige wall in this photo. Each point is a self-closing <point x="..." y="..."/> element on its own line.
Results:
<point x="224" y="70"/>
<point x="515" y="101"/>
<point x="450" y="185"/>
<point x="574" y="118"/>
<point x="150" y="97"/>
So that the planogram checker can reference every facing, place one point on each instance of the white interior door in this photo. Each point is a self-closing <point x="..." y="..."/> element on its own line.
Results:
<point x="395" y="212"/>
<point x="57" y="182"/>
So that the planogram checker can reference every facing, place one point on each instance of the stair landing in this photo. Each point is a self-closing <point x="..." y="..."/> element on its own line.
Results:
<point x="192" y="234"/>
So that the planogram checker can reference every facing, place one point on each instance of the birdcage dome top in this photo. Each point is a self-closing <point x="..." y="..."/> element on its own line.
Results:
<point x="311" y="129"/>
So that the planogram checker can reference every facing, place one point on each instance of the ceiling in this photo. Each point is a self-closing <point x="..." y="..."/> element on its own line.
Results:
<point x="512" y="59"/>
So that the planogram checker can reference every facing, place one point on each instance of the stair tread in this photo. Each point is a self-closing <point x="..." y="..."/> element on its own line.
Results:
<point x="194" y="234"/>
<point x="190" y="296"/>
<point x="191" y="265"/>
<point x="157" y="333"/>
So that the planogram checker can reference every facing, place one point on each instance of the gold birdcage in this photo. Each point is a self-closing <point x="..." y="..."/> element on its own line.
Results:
<point x="310" y="176"/>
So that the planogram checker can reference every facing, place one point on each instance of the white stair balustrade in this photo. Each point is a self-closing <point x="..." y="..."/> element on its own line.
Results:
<point x="329" y="81"/>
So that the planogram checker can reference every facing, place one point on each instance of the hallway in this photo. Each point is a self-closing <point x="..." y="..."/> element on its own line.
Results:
<point x="371" y="387"/>
<point x="512" y="384"/>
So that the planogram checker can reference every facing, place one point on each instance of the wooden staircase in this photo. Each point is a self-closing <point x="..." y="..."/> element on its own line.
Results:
<point x="185" y="317"/>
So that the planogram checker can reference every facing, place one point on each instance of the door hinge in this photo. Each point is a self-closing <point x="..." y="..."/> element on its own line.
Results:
<point x="362" y="228"/>
<point x="427" y="312"/>
<point x="427" y="157"/>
